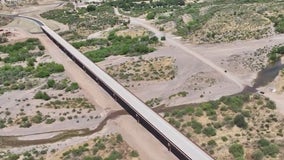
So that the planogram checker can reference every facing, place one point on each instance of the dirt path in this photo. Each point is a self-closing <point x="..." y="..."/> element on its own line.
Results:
<point x="175" y="42"/>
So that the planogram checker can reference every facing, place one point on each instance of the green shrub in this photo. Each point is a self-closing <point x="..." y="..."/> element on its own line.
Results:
<point x="42" y="95"/>
<point x="50" y="120"/>
<point x="240" y="121"/>
<point x="37" y="118"/>
<point x="270" y="104"/>
<point x="209" y="131"/>
<point x="196" y="126"/>
<point x="122" y="46"/>
<point x="134" y="153"/>
<point x="20" y="51"/>
<point x="257" y="155"/>
<point x="45" y="69"/>
<point x="61" y="119"/>
<point x="12" y="156"/>
<point x="212" y="143"/>
<point x="119" y="138"/>
<point x="224" y="139"/>
<point x="74" y="86"/>
<point x="263" y="142"/>
<point x="13" y="73"/>
<point x="51" y="83"/>
<point x="93" y="158"/>
<point x="236" y="150"/>
<point x="268" y="148"/>
<point x="151" y="15"/>
<point x="91" y="8"/>
<point x="114" y="155"/>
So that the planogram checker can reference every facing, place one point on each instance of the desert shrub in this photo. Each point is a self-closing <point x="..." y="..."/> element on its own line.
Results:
<point x="263" y="142"/>
<point x="212" y="143"/>
<point x="134" y="153"/>
<point x="2" y="123"/>
<point x="50" y="120"/>
<point x="271" y="150"/>
<point x="236" y="150"/>
<point x="163" y="38"/>
<point x="74" y="86"/>
<point x="50" y="83"/>
<point x="37" y="118"/>
<point x="209" y="131"/>
<point x="240" y="121"/>
<point x="114" y="155"/>
<point x="270" y="104"/>
<point x="61" y="119"/>
<point x="12" y="156"/>
<point x="257" y="155"/>
<point x="197" y="127"/>
<point x="91" y="8"/>
<point x="119" y="138"/>
<point x="20" y="51"/>
<point x="79" y="151"/>
<point x="151" y="15"/>
<point x="224" y="139"/>
<point x="268" y="148"/>
<point x="122" y="46"/>
<point x="13" y="73"/>
<point x="275" y="53"/>
<point x="93" y="158"/>
<point x="42" y="95"/>
<point x="46" y="69"/>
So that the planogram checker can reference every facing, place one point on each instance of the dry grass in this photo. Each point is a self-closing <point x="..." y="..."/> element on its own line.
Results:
<point x="159" y="68"/>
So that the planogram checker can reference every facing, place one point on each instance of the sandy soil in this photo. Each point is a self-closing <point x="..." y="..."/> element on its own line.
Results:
<point x="186" y="67"/>
<point x="136" y="139"/>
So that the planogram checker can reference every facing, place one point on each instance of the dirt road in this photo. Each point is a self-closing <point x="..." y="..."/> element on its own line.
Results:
<point x="171" y="40"/>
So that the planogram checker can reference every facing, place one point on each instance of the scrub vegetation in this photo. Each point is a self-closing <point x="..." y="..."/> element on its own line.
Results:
<point x="159" y="68"/>
<point x="111" y="147"/>
<point x="84" y="21"/>
<point x="233" y="127"/>
<point x="118" y="45"/>
<point x="20" y="69"/>
<point x="275" y="53"/>
<point x="211" y="21"/>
